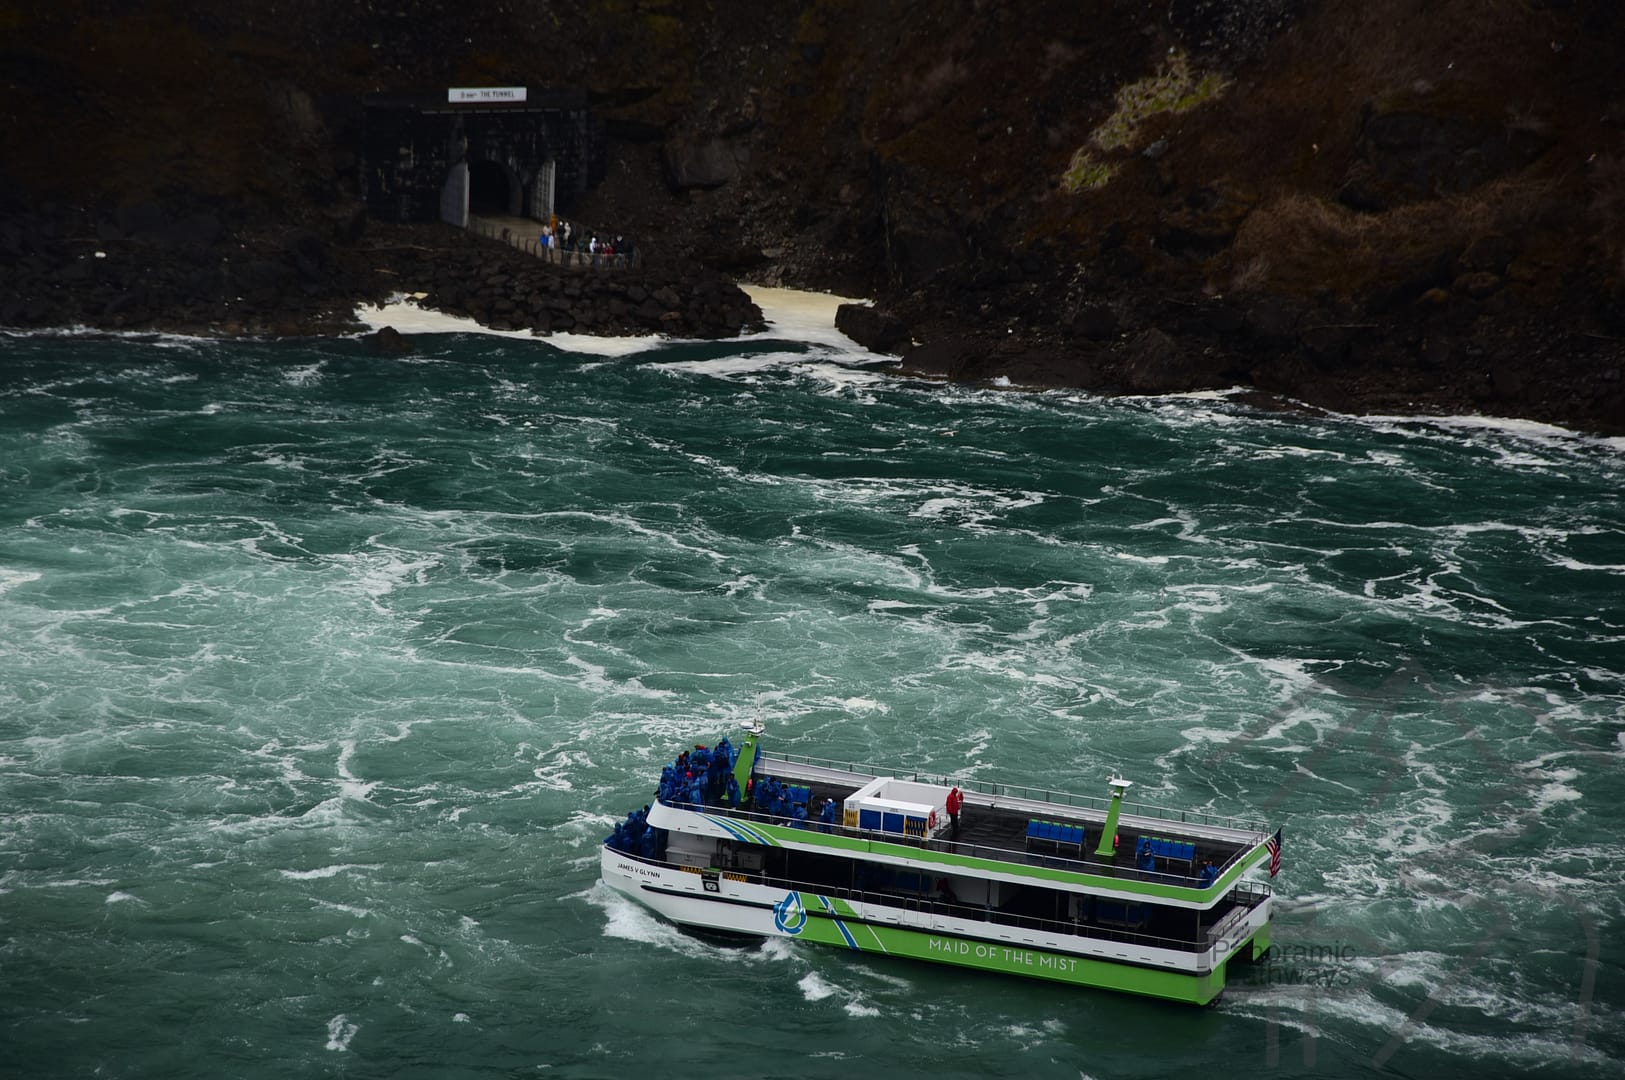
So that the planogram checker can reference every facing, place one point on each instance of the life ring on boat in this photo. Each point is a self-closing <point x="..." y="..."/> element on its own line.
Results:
<point x="931" y="821"/>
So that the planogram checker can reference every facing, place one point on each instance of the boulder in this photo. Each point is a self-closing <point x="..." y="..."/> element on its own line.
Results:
<point x="953" y="358"/>
<point x="871" y="328"/>
<point x="1155" y="364"/>
<point x="387" y="341"/>
<point x="702" y="163"/>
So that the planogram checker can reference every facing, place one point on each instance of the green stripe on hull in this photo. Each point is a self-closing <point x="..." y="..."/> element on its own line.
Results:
<point x="1011" y="959"/>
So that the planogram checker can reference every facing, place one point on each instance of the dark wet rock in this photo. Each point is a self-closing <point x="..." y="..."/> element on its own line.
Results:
<point x="871" y="328"/>
<point x="1097" y="322"/>
<point x="1273" y="320"/>
<point x="1408" y="151"/>
<point x="1155" y="364"/>
<point x="703" y="163"/>
<point x="387" y="341"/>
<point x="952" y="358"/>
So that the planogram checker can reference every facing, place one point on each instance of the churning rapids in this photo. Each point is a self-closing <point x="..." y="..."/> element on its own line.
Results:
<point x="323" y="674"/>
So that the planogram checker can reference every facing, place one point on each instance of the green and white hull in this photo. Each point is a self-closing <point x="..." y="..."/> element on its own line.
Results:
<point x="1035" y="886"/>
<point x="712" y="901"/>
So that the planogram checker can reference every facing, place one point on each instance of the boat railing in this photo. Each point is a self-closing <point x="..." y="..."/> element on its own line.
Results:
<point x="1094" y="803"/>
<point x="963" y="848"/>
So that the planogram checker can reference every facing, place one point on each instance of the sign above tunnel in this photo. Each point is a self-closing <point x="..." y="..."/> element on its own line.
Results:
<point x="462" y="95"/>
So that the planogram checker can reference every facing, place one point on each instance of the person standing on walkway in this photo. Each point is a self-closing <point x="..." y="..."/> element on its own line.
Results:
<point x="956" y="799"/>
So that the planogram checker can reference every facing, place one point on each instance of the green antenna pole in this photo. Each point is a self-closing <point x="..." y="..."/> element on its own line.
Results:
<point x="747" y="756"/>
<point x="1106" y="849"/>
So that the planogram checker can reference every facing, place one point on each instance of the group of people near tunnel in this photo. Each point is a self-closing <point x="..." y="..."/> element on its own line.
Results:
<point x="557" y="235"/>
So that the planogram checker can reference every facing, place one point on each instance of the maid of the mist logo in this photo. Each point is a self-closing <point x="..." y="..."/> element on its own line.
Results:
<point x="789" y="915"/>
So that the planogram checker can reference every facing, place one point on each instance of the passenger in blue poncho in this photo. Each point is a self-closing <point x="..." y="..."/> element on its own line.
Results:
<point x="827" y="815"/>
<point x="1210" y="873"/>
<point x="1147" y="860"/>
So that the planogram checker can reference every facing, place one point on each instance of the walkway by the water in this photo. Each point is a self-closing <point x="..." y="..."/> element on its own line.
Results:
<point x="525" y="234"/>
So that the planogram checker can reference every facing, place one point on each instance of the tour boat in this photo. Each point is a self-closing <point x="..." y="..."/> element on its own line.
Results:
<point x="1095" y="892"/>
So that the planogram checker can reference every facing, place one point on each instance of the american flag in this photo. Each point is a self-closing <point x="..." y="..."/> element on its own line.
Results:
<point x="1274" y="844"/>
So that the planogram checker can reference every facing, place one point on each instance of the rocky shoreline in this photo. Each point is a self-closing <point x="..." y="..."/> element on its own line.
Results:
<point x="141" y="268"/>
<point x="1157" y="198"/>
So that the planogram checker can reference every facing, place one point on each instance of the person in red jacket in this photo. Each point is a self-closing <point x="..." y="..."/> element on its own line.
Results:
<point x="955" y="800"/>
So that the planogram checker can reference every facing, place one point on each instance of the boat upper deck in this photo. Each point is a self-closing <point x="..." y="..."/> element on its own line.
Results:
<point x="1035" y="827"/>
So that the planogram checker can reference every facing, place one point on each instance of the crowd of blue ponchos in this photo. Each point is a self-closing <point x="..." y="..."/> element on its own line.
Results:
<point x="704" y="776"/>
<point x="635" y="836"/>
<point x="699" y="777"/>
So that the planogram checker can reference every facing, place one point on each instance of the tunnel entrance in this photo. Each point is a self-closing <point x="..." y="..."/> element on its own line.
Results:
<point x="427" y="156"/>
<point x="492" y="188"/>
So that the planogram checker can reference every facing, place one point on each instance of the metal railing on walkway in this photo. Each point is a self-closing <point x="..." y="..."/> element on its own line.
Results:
<point x="530" y="244"/>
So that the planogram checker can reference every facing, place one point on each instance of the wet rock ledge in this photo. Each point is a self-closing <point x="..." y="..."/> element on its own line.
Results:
<point x="191" y="273"/>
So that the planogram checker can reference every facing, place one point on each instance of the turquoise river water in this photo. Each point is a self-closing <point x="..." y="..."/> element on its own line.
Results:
<point x="322" y="676"/>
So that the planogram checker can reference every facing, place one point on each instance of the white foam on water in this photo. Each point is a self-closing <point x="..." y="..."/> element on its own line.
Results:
<point x="403" y="313"/>
<point x="814" y="987"/>
<point x="1490" y="433"/>
<point x="339" y="1033"/>
<point x="145" y="337"/>
<point x="459" y="1018"/>
<point x="604" y="346"/>
<point x="790" y="314"/>
<point x="10" y="579"/>
<point x="352" y="787"/>
<point x="801" y="316"/>
<point x="304" y="375"/>
<point x="326" y="871"/>
<point x="779" y="949"/>
<point x="628" y="920"/>
<point x="832" y="373"/>
<point x="121" y="897"/>
<point x="347" y="909"/>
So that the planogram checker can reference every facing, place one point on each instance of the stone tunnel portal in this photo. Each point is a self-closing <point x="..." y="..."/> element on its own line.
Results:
<point x="424" y="158"/>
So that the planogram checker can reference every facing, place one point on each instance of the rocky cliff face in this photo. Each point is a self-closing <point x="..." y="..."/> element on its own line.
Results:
<point x="1392" y="205"/>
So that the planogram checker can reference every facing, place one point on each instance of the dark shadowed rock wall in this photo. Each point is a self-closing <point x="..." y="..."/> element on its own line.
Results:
<point x="1385" y="205"/>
